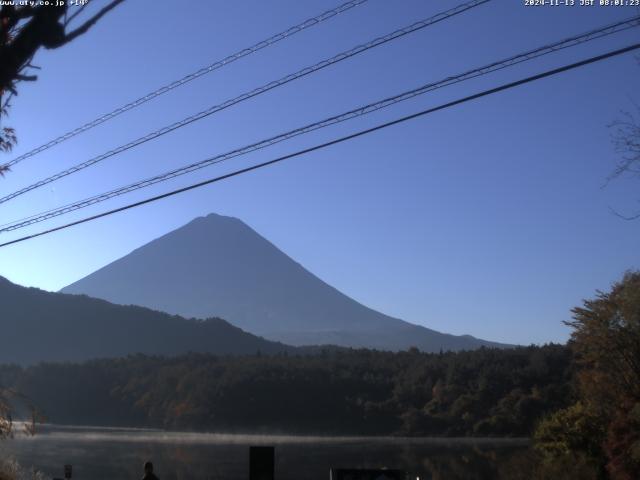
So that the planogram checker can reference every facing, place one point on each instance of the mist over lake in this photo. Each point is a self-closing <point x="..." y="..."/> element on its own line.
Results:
<point x="108" y="453"/>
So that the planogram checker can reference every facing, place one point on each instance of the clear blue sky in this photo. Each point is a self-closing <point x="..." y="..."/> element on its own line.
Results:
<point x="488" y="218"/>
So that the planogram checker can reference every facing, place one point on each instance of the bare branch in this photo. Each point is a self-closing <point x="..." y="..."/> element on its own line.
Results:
<point x="89" y="23"/>
<point x="78" y="12"/>
<point x="624" y="217"/>
<point x="626" y="140"/>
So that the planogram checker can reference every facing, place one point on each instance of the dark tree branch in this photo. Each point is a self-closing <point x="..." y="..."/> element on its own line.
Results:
<point x="78" y="12"/>
<point x="23" y="31"/>
<point x="624" y="217"/>
<point x="26" y="78"/>
<point x="42" y="29"/>
<point x="13" y="15"/>
<point x="91" y="22"/>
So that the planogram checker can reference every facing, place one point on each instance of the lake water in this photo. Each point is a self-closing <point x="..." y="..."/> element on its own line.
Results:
<point x="108" y="453"/>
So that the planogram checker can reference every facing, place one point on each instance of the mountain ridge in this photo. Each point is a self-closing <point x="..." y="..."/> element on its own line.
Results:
<point x="39" y="326"/>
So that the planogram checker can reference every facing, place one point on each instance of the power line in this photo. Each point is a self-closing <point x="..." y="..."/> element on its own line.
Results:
<point x="362" y="110"/>
<point x="311" y="22"/>
<point x="255" y="92"/>
<point x="360" y="133"/>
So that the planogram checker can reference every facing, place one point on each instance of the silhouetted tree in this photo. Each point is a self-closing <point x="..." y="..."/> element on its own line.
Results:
<point x="24" y="29"/>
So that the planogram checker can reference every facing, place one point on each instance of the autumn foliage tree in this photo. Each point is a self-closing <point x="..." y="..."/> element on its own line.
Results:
<point x="604" y="425"/>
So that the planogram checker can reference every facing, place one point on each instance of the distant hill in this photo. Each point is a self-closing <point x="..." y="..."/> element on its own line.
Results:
<point x="218" y="266"/>
<point x="40" y="326"/>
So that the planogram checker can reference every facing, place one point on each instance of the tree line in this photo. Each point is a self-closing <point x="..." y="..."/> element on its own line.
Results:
<point x="482" y="392"/>
<point x="579" y="402"/>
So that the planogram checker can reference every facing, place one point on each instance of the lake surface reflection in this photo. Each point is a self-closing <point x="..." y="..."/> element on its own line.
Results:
<point x="108" y="453"/>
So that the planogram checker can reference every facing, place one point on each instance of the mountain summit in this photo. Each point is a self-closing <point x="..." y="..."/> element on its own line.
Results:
<point x="217" y="266"/>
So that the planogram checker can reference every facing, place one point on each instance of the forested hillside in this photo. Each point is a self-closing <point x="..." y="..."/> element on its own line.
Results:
<point x="39" y="326"/>
<point x="483" y="392"/>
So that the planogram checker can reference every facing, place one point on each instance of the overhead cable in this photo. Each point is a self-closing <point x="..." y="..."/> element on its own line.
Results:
<point x="362" y="110"/>
<point x="360" y="133"/>
<point x="248" y="95"/>
<point x="311" y="22"/>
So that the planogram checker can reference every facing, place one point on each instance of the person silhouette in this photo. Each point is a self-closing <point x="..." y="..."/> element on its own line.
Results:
<point x="148" y="472"/>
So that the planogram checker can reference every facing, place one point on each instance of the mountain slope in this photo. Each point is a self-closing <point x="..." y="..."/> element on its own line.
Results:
<point x="218" y="266"/>
<point x="42" y="326"/>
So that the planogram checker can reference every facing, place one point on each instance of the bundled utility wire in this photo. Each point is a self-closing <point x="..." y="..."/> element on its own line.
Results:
<point x="311" y="22"/>
<point x="357" y="112"/>
<point x="253" y="93"/>
<point x="336" y="141"/>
